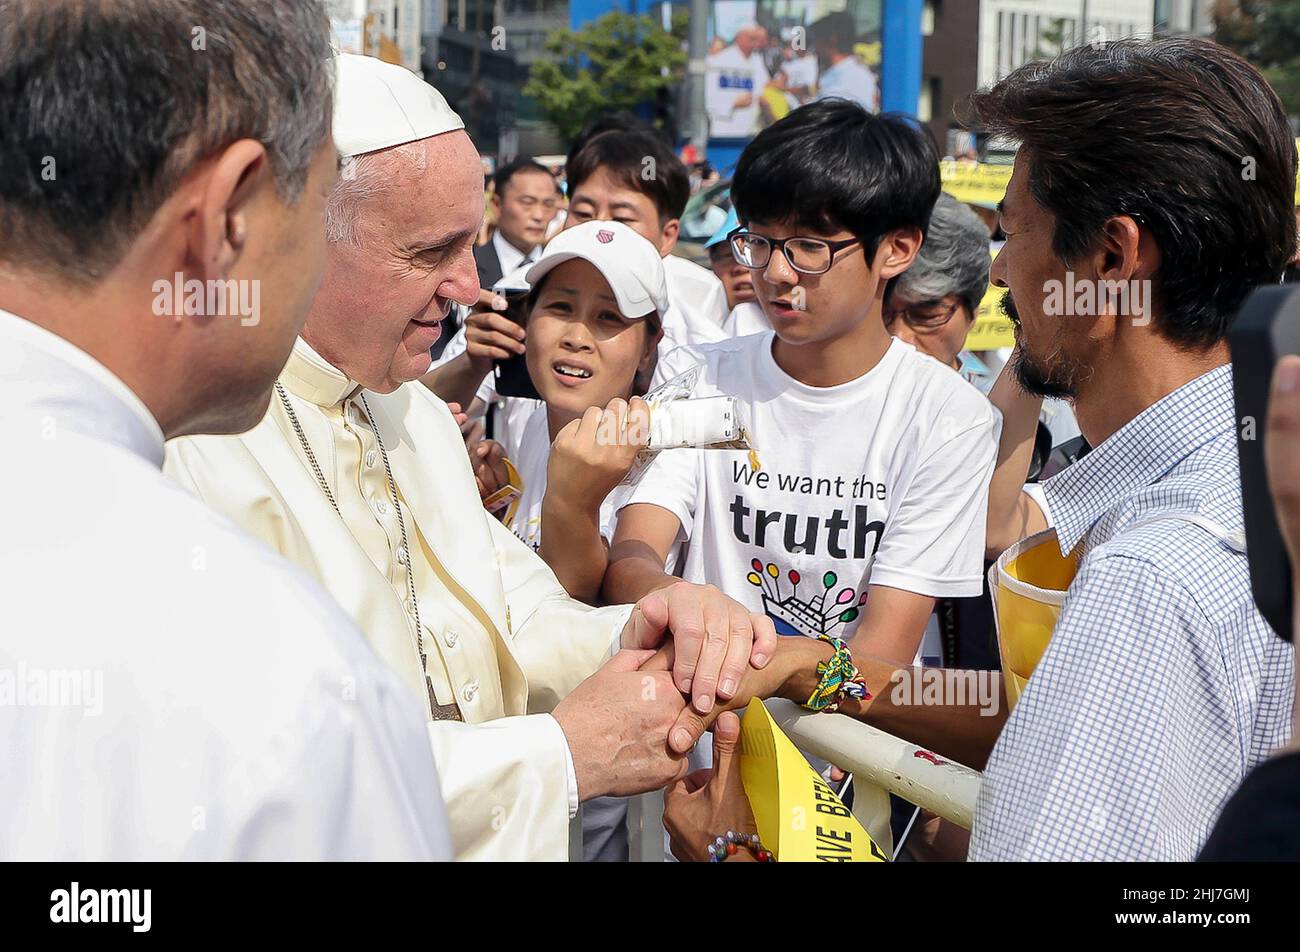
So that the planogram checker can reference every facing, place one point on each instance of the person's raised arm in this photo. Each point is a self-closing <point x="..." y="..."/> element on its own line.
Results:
<point x="584" y="468"/>
<point x="642" y="543"/>
<point x="1013" y="515"/>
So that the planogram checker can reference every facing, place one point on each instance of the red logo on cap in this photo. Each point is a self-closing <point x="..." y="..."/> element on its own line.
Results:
<point x="604" y="236"/>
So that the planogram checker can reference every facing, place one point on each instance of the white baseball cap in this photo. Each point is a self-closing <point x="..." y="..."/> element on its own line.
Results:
<point x="378" y="105"/>
<point x="626" y="260"/>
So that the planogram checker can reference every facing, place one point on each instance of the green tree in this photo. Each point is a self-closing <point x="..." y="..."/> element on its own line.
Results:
<point x="616" y="62"/>
<point x="1267" y="33"/>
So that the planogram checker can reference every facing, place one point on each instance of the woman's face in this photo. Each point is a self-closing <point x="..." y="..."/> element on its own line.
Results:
<point x="582" y="352"/>
<point x="938" y="328"/>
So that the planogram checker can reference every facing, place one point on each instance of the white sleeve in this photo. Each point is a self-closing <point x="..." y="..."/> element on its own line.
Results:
<point x="358" y="783"/>
<point x="934" y="544"/>
<point x="671" y="482"/>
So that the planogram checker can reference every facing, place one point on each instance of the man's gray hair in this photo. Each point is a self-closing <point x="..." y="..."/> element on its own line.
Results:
<point x="954" y="259"/>
<point x="106" y="105"/>
<point x="361" y="178"/>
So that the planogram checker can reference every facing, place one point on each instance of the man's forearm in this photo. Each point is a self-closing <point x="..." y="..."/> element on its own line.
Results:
<point x="1008" y="519"/>
<point x="456" y="381"/>
<point x="963" y="732"/>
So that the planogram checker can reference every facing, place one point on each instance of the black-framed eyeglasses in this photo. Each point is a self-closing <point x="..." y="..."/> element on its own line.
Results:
<point x="926" y="316"/>
<point x="805" y="255"/>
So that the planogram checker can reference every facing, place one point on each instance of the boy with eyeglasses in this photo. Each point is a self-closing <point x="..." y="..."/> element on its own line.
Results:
<point x="866" y="497"/>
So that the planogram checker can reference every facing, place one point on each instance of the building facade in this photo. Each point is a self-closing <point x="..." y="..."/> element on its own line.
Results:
<point x="1014" y="32"/>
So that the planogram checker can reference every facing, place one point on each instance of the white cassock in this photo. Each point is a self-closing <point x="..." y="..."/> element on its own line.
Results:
<point x="503" y="641"/>
<point x="170" y="688"/>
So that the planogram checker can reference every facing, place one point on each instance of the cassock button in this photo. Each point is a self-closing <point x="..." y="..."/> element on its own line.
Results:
<point x="470" y="692"/>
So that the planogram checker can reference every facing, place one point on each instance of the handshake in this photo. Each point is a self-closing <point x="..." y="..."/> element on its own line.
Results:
<point x="689" y="654"/>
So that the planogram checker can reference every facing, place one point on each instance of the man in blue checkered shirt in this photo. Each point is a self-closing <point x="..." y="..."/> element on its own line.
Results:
<point x="1152" y="190"/>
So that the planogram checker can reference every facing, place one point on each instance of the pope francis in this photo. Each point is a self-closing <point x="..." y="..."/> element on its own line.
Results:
<point x="365" y="483"/>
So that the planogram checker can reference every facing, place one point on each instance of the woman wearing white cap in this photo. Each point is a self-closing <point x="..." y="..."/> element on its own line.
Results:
<point x="593" y="322"/>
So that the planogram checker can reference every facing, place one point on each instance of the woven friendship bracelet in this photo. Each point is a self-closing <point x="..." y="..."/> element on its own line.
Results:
<point x="839" y="680"/>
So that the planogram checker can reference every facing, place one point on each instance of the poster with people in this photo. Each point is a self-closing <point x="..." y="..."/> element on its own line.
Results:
<point x="768" y="57"/>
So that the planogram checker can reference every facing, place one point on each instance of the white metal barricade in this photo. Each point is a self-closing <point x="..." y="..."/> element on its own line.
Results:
<point x="874" y="757"/>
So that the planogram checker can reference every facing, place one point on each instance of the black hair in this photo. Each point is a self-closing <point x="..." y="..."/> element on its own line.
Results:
<point x="640" y="160"/>
<point x="833" y="165"/>
<point x="508" y="171"/>
<point x="1182" y="135"/>
<point x="620" y="121"/>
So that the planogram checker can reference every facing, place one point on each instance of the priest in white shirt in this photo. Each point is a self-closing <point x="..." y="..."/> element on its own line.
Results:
<point x="364" y="481"/>
<point x="170" y="688"/>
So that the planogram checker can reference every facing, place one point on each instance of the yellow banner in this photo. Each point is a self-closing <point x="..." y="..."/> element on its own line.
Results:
<point x="977" y="183"/>
<point x="800" y="819"/>
<point x="992" y="329"/>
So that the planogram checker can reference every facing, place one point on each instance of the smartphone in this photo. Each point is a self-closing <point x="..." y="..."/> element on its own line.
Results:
<point x="1267" y="328"/>
<point x="511" y="377"/>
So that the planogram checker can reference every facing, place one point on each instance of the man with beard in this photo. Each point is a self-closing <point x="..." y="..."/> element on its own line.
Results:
<point x="1134" y="233"/>
<point x="1133" y="236"/>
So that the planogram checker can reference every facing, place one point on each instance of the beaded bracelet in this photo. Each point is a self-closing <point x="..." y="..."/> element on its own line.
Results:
<point x="839" y="680"/>
<point x="725" y="846"/>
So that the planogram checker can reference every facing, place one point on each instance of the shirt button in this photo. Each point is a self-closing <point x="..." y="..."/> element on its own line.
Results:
<point x="381" y="507"/>
<point x="371" y="458"/>
<point x="470" y="692"/>
<point x="451" y="638"/>
<point x="410" y="608"/>
<point x="402" y="555"/>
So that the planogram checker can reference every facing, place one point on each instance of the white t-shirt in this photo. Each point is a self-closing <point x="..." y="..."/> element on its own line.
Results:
<point x="533" y="454"/>
<point x="882" y="481"/>
<point x="697" y="304"/>
<point x="730" y="75"/>
<point x="747" y="318"/>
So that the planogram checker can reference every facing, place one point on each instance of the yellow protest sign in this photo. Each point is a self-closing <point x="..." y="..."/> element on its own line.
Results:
<point x="992" y="329"/>
<point x="977" y="183"/>
<point x="800" y="819"/>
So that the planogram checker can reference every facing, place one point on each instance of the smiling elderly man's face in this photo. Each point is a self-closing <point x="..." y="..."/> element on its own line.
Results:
<point x="406" y="253"/>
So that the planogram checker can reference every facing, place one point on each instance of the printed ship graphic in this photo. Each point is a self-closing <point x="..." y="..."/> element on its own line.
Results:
<point x="810" y="617"/>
